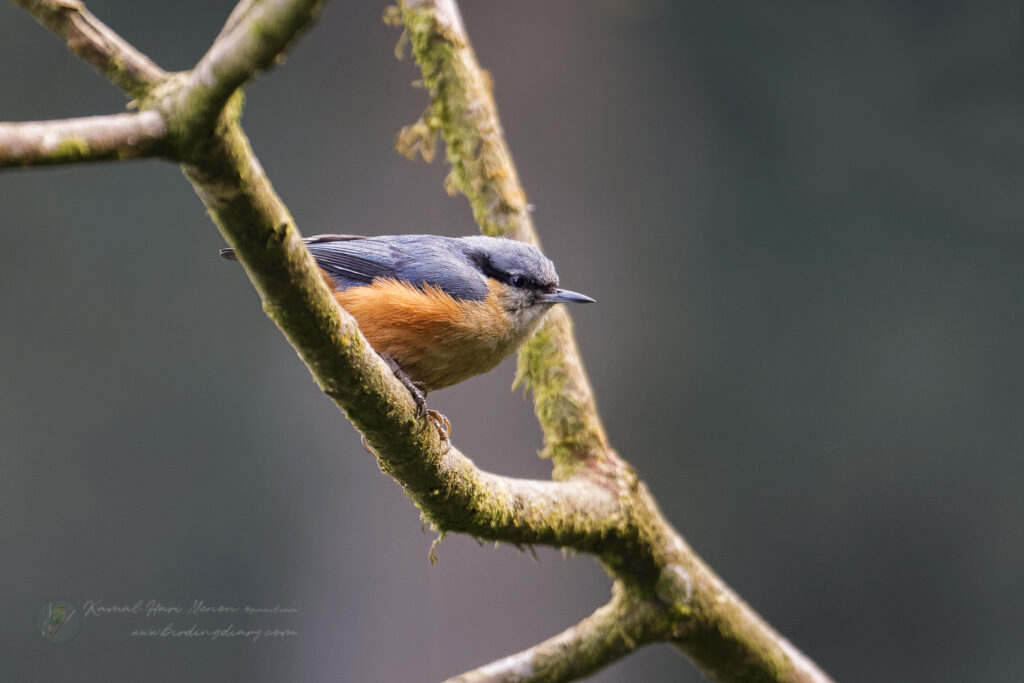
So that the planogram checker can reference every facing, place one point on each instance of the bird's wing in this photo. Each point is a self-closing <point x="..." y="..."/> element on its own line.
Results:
<point x="421" y="260"/>
<point x="351" y="259"/>
<point x="354" y="260"/>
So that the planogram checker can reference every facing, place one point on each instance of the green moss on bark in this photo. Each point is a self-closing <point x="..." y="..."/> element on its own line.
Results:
<point x="71" y="149"/>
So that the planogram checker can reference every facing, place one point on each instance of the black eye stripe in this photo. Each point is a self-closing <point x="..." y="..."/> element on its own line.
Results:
<point x="517" y="280"/>
<point x="520" y="281"/>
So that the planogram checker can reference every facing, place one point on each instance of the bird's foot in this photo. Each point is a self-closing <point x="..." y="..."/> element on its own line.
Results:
<point x="443" y="427"/>
<point x="419" y="396"/>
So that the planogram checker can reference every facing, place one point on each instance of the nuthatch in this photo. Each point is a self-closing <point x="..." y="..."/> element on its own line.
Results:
<point x="439" y="309"/>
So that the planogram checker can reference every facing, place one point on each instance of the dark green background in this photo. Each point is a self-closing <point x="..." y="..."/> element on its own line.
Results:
<point x="802" y="223"/>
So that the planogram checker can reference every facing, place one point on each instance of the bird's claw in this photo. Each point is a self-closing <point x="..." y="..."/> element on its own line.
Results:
<point x="443" y="427"/>
<point x="420" y="399"/>
<point x="419" y="396"/>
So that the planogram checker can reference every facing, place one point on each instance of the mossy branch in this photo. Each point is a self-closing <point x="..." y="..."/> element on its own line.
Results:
<point x="253" y="38"/>
<point x="91" y="40"/>
<point x="93" y="138"/>
<point x="663" y="591"/>
<point x="612" y="631"/>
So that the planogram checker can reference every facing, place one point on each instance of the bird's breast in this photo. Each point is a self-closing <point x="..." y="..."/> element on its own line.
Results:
<point x="436" y="339"/>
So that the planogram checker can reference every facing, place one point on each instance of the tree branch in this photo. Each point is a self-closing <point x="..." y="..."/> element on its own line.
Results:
<point x="91" y="40"/>
<point x="93" y="138"/>
<point x="254" y="36"/>
<point x="615" y="630"/>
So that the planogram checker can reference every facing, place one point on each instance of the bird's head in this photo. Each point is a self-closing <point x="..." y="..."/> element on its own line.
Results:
<point x="521" y="277"/>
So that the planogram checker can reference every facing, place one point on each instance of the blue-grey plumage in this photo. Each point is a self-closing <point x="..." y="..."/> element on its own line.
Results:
<point x="417" y="259"/>
<point x="458" y="265"/>
<point x="442" y="309"/>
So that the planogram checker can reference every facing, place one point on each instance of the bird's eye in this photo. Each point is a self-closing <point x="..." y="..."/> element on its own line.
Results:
<point x="517" y="280"/>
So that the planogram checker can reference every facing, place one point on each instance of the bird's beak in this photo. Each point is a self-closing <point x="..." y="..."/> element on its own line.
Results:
<point x="564" y="296"/>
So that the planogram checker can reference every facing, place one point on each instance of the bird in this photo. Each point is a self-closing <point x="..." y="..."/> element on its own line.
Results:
<point x="439" y="310"/>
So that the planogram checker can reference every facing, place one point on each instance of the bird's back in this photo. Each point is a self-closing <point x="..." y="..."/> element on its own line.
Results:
<point x="420" y="260"/>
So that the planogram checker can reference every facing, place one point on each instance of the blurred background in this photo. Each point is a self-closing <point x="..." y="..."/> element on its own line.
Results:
<point x="802" y="223"/>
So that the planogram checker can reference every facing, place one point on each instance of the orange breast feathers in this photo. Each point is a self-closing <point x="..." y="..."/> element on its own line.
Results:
<point x="436" y="339"/>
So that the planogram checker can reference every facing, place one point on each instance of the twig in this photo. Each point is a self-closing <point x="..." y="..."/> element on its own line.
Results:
<point x="254" y="36"/>
<point x="94" y="138"/>
<point x="90" y="39"/>
<point x="613" y="631"/>
<point x="241" y="9"/>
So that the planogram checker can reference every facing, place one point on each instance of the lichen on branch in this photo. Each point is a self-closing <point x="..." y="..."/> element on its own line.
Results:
<point x="91" y="40"/>
<point x="93" y="138"/>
